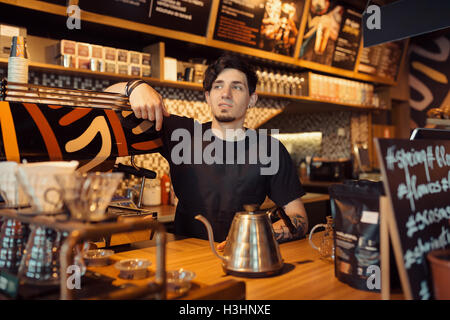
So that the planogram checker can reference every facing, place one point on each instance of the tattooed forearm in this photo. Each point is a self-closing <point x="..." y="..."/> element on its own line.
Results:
<point x="301" y="227"/>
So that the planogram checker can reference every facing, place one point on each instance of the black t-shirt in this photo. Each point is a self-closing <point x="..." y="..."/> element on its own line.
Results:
<point x="216" y="178"/>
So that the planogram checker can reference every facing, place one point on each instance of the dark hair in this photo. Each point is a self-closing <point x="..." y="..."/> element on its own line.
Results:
<point x="233" y="62"/>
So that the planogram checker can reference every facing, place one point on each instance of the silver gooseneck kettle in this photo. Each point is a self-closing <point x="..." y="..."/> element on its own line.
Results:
<point x="251" y="249"/>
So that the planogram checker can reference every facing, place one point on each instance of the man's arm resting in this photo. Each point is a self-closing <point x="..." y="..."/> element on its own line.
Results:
<point x="295" y="210"/>
<point x="117" y="88"/>
<point x="145" y="102"/>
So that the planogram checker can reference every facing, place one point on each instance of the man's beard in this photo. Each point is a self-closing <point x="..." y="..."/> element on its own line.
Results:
<point x="221" y="118"/>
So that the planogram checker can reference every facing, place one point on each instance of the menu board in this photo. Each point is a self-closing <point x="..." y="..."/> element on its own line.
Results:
<point x="332" y="35"/>
<point x="382" y="60"/>
<point x="269" y="25"/>
<point x="416" y="177"/>
<point x="348" y="41"/>
<point x="182" y="15"/>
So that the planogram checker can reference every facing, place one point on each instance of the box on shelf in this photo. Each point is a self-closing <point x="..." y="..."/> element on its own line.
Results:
<point x="6" y="34"/>
<point x="96" y="51"/>
<point x="83" y="63"/>
<point x="68" y="47"/>
<point x="199" y="72"/>
<point x="83" y="50"/>
<point x="122" y="68"/>
<point x="134" y="70"/>
<point x="135" y="57"/>
<point x="170" y="69"/>
<point x="146" y="59"/>
<point x="110" y="66"/>
<point x="123" y="56"/>
<point x="110" y="55"/>
<point x="146" y="71"/>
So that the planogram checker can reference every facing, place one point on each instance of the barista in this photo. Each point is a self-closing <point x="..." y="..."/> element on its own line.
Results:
<point x="218" y="183"/>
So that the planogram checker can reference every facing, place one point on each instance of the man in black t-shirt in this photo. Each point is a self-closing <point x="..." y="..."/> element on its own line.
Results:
<point x="219" y="166"/>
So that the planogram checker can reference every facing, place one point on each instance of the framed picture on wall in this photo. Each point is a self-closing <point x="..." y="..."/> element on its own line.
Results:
<point x="269" y="25"/>
<point x="332" y="34"/>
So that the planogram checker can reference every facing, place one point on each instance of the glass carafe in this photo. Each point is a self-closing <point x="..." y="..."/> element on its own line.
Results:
<point x="326" y="243"/>
<point x="40" y="263"/>
<point x="13" y="238"/>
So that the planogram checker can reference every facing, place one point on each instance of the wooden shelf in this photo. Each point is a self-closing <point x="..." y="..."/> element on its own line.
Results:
<point x="176" y="84"/>
<point x="199" y="40"/>
<point x="73" y="71"/>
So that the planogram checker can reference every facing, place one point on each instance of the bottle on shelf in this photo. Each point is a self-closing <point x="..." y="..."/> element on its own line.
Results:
<point x="165" y="189"/>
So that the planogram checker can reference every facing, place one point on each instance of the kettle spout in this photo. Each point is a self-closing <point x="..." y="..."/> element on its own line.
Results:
<point x="210" y="236"/>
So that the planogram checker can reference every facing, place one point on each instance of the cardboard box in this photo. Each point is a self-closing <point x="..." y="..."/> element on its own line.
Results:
<point x="83" y="50"/>
<point x="146" y="59"/>
<point x="68" y="47"/>
<point x="110" y="67"/>
<point x="122" y="68"/>
<point x="146" y="71"/>
<point x="135" y="70"/>
<point x="83" y="63"/>
<point x="110" y="55"/>
<point x="96" y="51"/>
<point x="6" y="34"/>
<point x="122" y="56"/>
<point x="170" y="69"/>
<point x="135" y="57"/>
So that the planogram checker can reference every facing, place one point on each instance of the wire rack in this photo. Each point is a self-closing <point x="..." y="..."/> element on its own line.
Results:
<point x="24" y="92"/>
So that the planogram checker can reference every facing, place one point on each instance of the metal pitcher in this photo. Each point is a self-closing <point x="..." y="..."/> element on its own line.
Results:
<point x="251" y="249"/>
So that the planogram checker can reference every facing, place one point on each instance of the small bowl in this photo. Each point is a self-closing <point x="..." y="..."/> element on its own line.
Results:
<point x="97" y="257"/>
<point x="179" y="281"/>
<point x="133" y="269"/>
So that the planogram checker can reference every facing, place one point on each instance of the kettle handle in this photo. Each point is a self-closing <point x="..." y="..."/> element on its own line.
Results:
<point x="287" y="221"/>
<point x="311" y="233"/>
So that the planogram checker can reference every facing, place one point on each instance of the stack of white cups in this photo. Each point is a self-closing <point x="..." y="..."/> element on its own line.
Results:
<point x="18" y="61"/>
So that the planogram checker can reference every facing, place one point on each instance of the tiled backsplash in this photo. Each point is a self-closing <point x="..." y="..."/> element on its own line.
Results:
<point x="339" y="129"/>
<point x="333" y="145"/>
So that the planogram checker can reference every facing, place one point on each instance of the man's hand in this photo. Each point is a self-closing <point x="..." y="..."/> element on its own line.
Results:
<point x="148" y="104"/>
<point x="297" y="213"/>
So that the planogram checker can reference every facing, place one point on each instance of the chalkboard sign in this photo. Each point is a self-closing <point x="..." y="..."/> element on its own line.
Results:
<point x="416" y="177"/>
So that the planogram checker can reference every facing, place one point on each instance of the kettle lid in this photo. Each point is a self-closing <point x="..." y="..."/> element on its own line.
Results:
<point x="251" y="208"/>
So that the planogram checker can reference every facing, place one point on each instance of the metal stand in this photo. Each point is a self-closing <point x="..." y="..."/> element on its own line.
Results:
<point x="78" y="232"/>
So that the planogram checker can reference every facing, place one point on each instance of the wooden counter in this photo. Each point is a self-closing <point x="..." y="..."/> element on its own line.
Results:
<point x="166" y="213"/>
<point x="305" y="275"/>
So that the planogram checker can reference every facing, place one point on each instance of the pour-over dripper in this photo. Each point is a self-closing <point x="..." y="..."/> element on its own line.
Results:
<point x="88" y="195"/>
<point x="38" y="182"/>
<point x="10" y="190"/>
